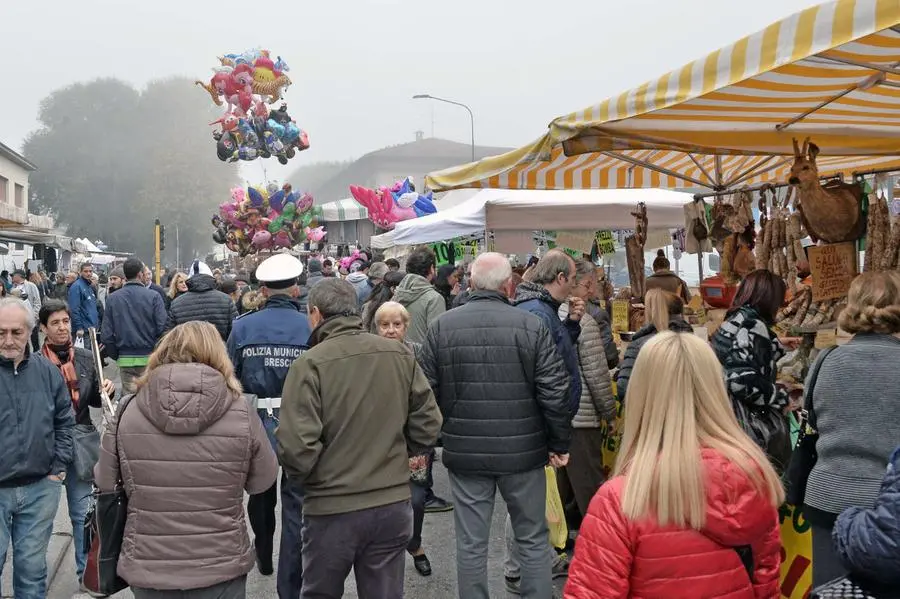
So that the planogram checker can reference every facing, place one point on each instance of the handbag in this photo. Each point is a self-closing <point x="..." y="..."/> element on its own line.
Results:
<point x="804" y="456"/>
<point x="87" y="451"/>
<point x="849" y="588"/>
<point x="770" y="430"/>
<point x="104" y="530"/>
<point x="555" y="512"/>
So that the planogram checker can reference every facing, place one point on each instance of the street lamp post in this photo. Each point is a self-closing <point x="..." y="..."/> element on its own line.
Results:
<point x="471" y="116"/>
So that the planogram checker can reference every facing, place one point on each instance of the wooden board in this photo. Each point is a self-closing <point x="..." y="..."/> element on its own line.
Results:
<point x="833" y="268"/>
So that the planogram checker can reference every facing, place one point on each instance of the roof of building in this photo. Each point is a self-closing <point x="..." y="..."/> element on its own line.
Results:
<point x="415" y="158"/>
<point x="16" y="158"/>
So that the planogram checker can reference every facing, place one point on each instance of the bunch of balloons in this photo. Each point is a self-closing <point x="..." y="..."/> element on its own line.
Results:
<point x="261" y="218"/>
<point x="389" y="205"/>
<point x="245" y="83"/>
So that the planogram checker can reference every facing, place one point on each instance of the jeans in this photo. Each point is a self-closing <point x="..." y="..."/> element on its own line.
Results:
<point x="78" y="498"/>
<point x="525" y="496"/>
<point x="26" y="519"/>
<point x="371" y="542"/>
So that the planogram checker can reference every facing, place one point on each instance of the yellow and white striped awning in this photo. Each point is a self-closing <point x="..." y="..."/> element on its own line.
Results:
<point x="830" y="72"/>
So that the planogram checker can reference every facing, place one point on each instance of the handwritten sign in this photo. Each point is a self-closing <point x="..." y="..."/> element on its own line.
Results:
<point x="833" y="268"/>
<point x="606" y="244"/>
<point x="826" y="338"/>
<point x="620" y="315"/>
<point x="580" y="241"/>
<point x="700" y="313"/>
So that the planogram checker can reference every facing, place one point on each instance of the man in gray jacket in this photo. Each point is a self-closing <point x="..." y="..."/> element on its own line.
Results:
<point x="418" y="295"/>
<point x="35" y="449"/>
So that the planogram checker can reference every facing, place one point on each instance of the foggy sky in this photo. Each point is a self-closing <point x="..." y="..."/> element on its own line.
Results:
<point x="356" y="63"/>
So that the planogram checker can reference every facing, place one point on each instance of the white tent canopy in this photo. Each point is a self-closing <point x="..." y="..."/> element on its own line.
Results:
<point x="578" y="209"/>
<point x="531" y="210"/>
<point x="461" y="218"/>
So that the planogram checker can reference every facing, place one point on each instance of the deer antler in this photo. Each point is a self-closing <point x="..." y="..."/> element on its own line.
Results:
<point x="796" y="147"/>
<point x="805" y="146"/>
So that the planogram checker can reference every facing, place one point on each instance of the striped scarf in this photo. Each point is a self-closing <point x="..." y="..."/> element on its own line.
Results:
<point x="67" y="368"/>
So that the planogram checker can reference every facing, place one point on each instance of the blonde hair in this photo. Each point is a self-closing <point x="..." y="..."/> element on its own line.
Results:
<point x="391" y="308"/>
<point x="873" y="304"/>
<point x="194" y="342"/>
<point x="660" y="306"/>
<point x="676" y="405"/>
<point x="173" y="285"/>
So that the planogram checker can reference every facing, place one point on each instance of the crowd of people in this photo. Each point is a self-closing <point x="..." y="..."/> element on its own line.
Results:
<point x="348" y="384"/>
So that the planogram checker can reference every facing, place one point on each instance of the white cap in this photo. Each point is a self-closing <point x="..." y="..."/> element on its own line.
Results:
<point x="199" y="268"/>
<point x="279" y="268"/>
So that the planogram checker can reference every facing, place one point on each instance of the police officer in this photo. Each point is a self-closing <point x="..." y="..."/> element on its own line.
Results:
<point x="263" y="345"/>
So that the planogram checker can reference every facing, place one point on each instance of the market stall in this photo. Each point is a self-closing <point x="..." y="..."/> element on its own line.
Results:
<point x="497" y="211"/>
<point x="466" y="218"/>
<point x="727" y="125"/>
<point x="727" y="119"/>
<point x="345" y="221"/>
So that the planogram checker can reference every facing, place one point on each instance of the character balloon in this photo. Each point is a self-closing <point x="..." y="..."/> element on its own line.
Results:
<point x="265" y="217"/>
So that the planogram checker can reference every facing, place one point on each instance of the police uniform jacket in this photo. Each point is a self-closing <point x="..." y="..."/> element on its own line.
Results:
<point x="264" y="344"/>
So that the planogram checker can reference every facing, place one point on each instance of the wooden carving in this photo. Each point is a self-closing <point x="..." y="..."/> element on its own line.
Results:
<point x="634" y="251"/>
<point x="831" y="213"/>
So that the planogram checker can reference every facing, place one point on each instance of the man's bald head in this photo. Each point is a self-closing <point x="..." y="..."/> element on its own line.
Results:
<point x="491" y="272"/>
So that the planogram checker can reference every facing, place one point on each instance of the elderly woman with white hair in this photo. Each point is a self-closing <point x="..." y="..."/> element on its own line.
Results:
<point x="391" y="321"/>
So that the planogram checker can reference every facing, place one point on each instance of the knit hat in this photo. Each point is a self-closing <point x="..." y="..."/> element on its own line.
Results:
<point x="117" y="272"/>
<point x="314" y="265"/>
<point x="199" y="268"/>
<point x="378" y="270"/>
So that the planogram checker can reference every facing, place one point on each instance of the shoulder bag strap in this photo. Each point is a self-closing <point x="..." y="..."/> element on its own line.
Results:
<point x="813" y="377"/>
<point x="123" y="403"/>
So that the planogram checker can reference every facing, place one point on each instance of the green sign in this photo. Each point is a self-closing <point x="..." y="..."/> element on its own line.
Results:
<point x="605" y="242"/>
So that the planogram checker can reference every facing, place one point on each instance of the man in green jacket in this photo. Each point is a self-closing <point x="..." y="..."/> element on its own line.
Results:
<point x="354" y="407"/>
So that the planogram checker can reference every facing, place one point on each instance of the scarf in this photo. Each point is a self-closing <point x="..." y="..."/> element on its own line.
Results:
<point x="67" y="368"/>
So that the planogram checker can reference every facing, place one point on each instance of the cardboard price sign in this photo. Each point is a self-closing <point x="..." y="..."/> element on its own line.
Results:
<point x="620" y="315"/>
<point x="833" y="268"/>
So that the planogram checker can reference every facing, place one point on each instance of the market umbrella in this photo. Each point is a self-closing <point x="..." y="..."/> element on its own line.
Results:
<point x="829" y="72"/>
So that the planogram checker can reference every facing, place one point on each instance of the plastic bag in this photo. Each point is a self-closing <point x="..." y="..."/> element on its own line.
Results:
<point x="556" y="515"/>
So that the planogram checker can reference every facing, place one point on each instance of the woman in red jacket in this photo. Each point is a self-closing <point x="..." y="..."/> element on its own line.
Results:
<point x="693" y="510"/>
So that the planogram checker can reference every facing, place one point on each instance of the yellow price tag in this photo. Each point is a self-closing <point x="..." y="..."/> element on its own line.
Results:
<point x="826" y="338"/>
<point x="620" y="315"/>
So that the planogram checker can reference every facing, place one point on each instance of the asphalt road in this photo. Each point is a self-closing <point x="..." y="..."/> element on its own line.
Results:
<point x="439" y="540"/>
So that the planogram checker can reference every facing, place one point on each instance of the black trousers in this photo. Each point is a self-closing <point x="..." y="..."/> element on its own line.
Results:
<point x="261" y="512"/>
<point x="371" y="542"/>
<point x="417" y="493"/>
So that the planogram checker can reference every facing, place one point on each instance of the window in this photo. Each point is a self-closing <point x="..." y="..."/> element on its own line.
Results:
<point x="3" y="185"/>
<point x="20" y="196"/>
<point x="19" y="247"/>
